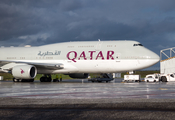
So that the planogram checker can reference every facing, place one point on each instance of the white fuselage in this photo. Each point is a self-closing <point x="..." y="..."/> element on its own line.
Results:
<point x="83" y="57"/>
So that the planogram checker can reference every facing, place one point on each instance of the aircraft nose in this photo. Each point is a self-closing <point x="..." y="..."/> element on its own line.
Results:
<point x="154" y="57"/>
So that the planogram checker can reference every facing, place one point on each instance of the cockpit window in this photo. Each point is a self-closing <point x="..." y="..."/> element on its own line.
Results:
<point x="137" y="45"/>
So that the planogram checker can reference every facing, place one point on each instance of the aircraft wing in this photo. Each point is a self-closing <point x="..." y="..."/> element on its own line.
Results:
<point x="8" y="65"/>
<point x="48" y="65"/>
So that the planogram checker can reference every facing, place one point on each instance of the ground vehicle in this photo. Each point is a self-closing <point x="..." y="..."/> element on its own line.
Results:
<point x="132" y="78"/>
<point x="152" y="78"/>
<point x="167" y="77"/>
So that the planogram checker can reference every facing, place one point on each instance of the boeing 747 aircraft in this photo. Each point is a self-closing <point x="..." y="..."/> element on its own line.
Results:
<point x="76" y="59"/>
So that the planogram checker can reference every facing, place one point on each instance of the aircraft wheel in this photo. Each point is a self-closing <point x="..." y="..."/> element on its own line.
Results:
<point x="55" y="80"/>
<point x="20" y="80"/>
<point x="49" y="79"/>
<point x="164" y="79"/>
<point x="15" y="80"/>
<point x="31" y="80"/>
<point x="25" y="80"/>
<point x="42" y="79"/>
<point x="45" y="79"/>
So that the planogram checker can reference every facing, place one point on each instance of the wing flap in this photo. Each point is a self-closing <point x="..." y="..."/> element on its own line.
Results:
<point x="48" y="66"/>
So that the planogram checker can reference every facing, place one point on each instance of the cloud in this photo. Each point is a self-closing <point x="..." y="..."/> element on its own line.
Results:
<point x="40" y="22"/>
<point x="26" y="21"/>
<point x="72" y="5"/>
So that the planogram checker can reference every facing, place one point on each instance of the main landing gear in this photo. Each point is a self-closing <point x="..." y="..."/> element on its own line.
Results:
<point x="46" y="78"/>
<point x="23" y="80"/>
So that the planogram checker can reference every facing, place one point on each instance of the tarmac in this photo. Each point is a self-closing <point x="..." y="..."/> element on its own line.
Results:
<point x="80" y="99"/>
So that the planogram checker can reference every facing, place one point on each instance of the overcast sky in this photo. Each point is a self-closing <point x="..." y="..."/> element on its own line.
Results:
<point x="40" y="22"/>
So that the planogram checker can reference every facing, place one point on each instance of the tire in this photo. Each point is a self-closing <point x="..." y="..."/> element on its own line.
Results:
<point x="49" y="79"/>
<point x="42" y="79"/>
<point x="154" y="80"/>
<point x="55" y="80"/>
<point x="45" y="79"/>
<point x="27" y="80"/>
<point x="147" y="80"/>
<point x="15" y="80"/>
<point x="164" y="79"/>
<point x="31" y="80"/>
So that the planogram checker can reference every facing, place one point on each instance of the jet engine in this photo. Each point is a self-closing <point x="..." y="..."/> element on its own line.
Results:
<point x="79" y="75"/>
<point x="24" y="71"/>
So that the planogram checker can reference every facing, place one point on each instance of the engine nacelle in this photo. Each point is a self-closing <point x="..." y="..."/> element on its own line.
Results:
<point x="79" y="75"/>
<point x="24" y="71"/>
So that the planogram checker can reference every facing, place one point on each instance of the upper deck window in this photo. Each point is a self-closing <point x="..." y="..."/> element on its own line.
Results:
<point x="137" y="45"/>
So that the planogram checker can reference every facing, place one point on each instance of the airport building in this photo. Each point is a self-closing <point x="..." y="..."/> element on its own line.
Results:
<point x="167" y="61"/>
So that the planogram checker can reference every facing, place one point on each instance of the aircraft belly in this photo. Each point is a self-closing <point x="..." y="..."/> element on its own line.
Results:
<point x="101" y="66"/>
<point x="135" y="64"/>
<point x="117" y="65"/>
<point x="95" y="66"/>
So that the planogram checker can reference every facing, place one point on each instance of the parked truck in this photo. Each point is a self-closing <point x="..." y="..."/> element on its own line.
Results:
<point x="132" y="78"/>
